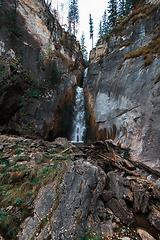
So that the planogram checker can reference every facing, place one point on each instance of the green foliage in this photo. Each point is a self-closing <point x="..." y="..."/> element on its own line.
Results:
<point x="21" y="158"/>
<point x="113" y="14"/>
<point x="91" y="30"/>
<point x="33" y="93"/>
<point x="100" y="31"/>
<point x="122" y="8"/>
<point x="73" y="16"/>
<point x="91" y="26"/>
<point x="68" y="41"/>
<point x="17" y="183"/>
<point x="4" y="161"/>
<point x="147" y="51"/>
<point x="83" y="48"/>
<point x="148" y="60"/>
<point x="90" y="235"/>
<point x="6" y="227"/>
<point x="19" y="200"/>
<point x="105" y="24"/>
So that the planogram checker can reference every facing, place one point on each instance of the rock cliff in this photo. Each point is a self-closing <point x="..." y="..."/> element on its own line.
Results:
<point x="55" y="189"/>
<point x="123" y="85"/>
<point x="40" y="64"/>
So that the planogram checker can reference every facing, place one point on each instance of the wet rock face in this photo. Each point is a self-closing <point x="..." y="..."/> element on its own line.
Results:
<point x="40" y="116"/>
<point x="125" y="99"/>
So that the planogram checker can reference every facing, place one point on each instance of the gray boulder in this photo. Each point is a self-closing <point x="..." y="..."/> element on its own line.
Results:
<point x="67" y="203"/>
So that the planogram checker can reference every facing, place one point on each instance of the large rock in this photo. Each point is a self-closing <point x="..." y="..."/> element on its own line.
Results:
<point x="122" y="96"/>
<point x="154" y="218"/>
<point x="120" y="209"/>
<point x="62" y="142"/>
<point x="145" y="235"/>
<point x="78" y="195"/>
<point x="107" y="195"/>
<point x="120" y="186"/>
<point x="156" y="188"/>
<point x="141" y="197"/>
<point x="107" y="229"/>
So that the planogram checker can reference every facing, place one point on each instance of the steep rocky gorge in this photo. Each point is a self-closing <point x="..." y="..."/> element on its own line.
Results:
<point x="39" y="67"/>
<point x="107" y="189"/>
<point x="123" y="86"/>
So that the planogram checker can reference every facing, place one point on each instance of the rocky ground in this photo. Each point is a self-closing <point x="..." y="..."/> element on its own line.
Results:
<point x="56" y="190"/>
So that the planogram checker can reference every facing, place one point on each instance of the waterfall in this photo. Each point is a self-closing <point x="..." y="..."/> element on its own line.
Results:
<point x="85" y="77"/>
<point x="79" y="121"/>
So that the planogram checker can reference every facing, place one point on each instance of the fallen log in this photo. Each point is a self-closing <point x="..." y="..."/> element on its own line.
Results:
<point x="118" y="166"/>
<point x="147" y="168"/>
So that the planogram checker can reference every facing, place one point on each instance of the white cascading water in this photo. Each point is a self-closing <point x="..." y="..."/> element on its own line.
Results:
<point x="79" y="121"/>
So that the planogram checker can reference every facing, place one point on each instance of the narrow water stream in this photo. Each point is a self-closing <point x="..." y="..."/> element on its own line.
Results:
<point x="79" y="118"/>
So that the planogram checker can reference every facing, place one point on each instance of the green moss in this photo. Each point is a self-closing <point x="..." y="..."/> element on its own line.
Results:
<point x="6" y="225"/>
<point x="148" y="60"/>
<point x="18" y="183"/>
<point x="91" y="235"/>
<point x="147" y="51"/>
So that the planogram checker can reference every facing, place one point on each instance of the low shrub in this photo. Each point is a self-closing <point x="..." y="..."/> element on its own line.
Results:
<point x="124" y="21"/>
<point x="126" y="44"/>
<point x="148" y="60"/>
<point x="100" y="60"/>
<point x="134" y="54"/>
<point x="133" y="19"/>
<point x="143" y="15"/>
<point x="145" y="7"/>
<point x="152" y="9"/>
<point x="116" y="29"/>
<point x="147" y="51"/>
<point x="90" y="235"/>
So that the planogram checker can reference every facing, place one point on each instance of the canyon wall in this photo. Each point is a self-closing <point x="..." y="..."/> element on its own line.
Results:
<point x="123" y="87"/>
<point x="39" y="66"/>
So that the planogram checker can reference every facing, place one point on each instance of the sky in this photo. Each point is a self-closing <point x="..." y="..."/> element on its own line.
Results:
<point x="86" y="7"/>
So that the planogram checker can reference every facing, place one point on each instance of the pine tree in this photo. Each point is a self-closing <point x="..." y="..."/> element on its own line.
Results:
<point x="100" y="31"/>
<point x="73" y="16"/>
<point x="105" y="27"/>
<point x="91" y="28"/>
<point x="83" y="48"/>
<point x="122" y="8"/>
<point x="112" y="9"/>
<point x="128" y="7"/>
